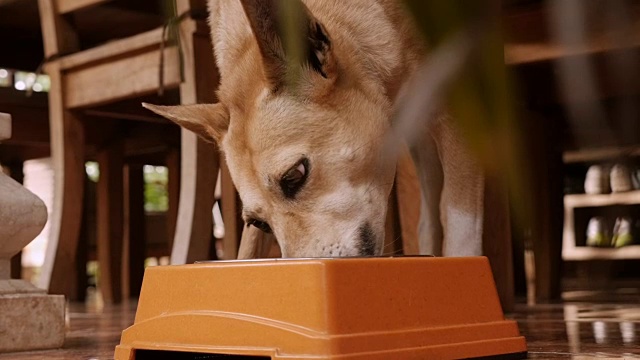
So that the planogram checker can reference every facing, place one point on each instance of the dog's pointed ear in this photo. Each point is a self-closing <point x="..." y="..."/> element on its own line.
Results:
<point x="209" y="121"/>
<point x="290" y="39"/>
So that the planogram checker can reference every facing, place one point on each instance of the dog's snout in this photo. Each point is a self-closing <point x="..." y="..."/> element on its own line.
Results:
<point x="367" y="241"/>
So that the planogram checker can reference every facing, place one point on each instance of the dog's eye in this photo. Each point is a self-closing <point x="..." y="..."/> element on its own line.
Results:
<point x="260" y="225"/>
<point x="294" y="178"/>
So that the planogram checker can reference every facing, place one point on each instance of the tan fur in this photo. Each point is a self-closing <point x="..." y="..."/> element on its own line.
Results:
<point x="337" y="121"/>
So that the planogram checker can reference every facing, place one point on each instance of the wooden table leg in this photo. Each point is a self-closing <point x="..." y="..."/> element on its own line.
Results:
<point x="134" y="231"/>
<point x="67" y="155"/>
<point x="110" y="218"/>
<point x="199" y="160"/>
<point x="548" y="207"/>
<point x="497" y="241"/>
<point x="194" y="228"/>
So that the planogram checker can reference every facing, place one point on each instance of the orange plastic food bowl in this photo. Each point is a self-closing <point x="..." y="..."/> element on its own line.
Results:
<point x="359" y="308"/>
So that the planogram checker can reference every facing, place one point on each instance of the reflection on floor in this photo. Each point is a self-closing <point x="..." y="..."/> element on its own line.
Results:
<point x="587" y="326"/>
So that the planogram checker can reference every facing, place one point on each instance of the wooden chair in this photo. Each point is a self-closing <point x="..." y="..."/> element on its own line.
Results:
<point x="109" y="80"/>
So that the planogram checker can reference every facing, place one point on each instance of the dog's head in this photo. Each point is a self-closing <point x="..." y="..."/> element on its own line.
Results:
<point x="303" y="134"/>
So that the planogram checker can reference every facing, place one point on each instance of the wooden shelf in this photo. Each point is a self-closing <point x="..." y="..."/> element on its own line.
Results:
<point x="600" y="154"/>
<point x="577" y="253"/>
<point x="529" y="39"/>
<point x="594" y="253"/>
<point x="588" y="200"/>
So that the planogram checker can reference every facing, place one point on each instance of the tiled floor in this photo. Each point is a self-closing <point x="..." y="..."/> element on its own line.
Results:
<point x="598" y="328"/>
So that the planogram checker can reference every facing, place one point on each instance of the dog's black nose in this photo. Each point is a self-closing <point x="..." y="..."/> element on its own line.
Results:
<point x="367" y="244"/>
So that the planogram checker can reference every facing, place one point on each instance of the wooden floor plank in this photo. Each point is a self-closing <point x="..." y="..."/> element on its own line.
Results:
<point x="591" y="325"/>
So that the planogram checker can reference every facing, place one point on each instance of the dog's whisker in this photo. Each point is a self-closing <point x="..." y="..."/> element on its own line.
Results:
<point x="395" y="252"/>
<point x="392" y="243"/>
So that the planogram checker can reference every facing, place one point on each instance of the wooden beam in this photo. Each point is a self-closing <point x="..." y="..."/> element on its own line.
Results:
<point x="11" y="152"/>
<point x="124" y="116"/>
<point x="528" y="36"/>
<point x="57" y="34"/>
<point x="110" y="219"/>
<point x="67" y="6"/>
<point x="603" y="154"/>
<point x="133" y="110"/>
<point x="30" y="126"/>
<point x="156" y="159"/>
<point x="119" y="79"/>
<point x="145" y="41"/>
<point x="537" y="86"/>
<point x="15" y="99"/>
<point x="158" y="138"/>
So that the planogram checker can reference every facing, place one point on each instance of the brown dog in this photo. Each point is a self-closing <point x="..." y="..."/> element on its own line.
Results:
<point x="303" y="130"/>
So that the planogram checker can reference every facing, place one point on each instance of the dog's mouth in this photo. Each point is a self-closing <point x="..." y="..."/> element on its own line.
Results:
<point x="367" y="240"/>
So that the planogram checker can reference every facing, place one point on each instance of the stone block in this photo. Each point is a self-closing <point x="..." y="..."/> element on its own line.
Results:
<point x="31" y="321"/>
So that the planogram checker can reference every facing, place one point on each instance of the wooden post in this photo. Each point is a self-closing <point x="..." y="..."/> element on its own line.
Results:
<point x="78" y="288"/>
<point x="57" y="34"/>
<point x="110" y="221"/>
<point x="496" y="239"/>
<point x="547" y="206"/>
<point x="134" y="243"/>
